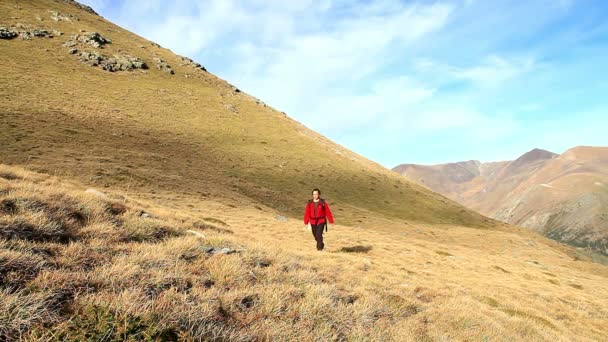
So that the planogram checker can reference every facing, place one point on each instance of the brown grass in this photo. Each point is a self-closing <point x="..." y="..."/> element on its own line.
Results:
<point x="146" y="131"/>
<point x="117" y="274"/>
<point x="76" y="266"/>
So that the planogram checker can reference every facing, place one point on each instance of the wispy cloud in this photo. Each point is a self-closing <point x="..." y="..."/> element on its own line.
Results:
<point x="401" y="81"/>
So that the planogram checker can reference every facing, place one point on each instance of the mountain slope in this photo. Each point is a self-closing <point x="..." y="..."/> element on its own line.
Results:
<point x="565" y="196"/>
<point x="83" y="265"/>
<point x="176" y="154"/>
<point x="174" y="127"/>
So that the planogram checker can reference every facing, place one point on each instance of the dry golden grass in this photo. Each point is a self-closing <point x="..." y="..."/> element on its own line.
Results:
<point x="118" y="275"/>
<point x="403" y="264"/>
<point x="146" y="131"/>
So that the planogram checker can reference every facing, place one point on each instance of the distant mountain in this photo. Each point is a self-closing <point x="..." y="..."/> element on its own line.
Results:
<point x="565" y="196"/>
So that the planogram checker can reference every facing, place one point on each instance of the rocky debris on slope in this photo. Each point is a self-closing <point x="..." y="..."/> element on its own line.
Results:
<point x="91" y="38"/>
<point x="81" y="6"/>
<point x="260" y="102"/>
<point x="57" y="16"/>
<point x="7" y="33"/>
<point x="115" y="63"/>
<point x="217" y="250"/>
<point x="189" y="62"/>
<point x="26" y="32"/>
<point x="144" y="214"/>
<point x="162" y="65"/>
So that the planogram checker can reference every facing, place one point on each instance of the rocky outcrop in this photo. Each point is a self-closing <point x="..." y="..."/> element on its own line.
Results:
<point x="7" y="33"/>
<point x="81" y="6"/>
<point x="27" y="32"/>
<point x="163" y="66"/>
<point x="63" y="17"/>
<point x="90" y="38"/>
<point x="189" y="62"/>
<point x="114" y="63"/>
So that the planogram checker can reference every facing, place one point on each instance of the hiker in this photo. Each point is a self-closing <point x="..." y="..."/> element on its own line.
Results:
<point x="315" y="214"/>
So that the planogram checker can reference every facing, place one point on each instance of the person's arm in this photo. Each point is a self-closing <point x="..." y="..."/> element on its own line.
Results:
<point x="330" y="217"/>
<point x="306" y="216"/>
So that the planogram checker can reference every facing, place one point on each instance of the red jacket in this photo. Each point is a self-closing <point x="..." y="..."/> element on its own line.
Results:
<point x="318" y="217"/>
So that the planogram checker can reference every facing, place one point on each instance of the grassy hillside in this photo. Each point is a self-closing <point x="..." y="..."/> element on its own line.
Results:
<point x="184" y="242"/>
<point x="78" y="265"/>
<point x="188" y="132"/>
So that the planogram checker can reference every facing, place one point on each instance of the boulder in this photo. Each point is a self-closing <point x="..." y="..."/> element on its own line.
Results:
<point x="26" y="32"/>
<point x="123" y="63"/>
<point x="217" y="250"/>
<point x="162" y="65"/>
<point x="91" y="38"/>
<point x="63" y="17"/>
<point x="189" y="62"/>
<point x="81" y="6"/>
<point x="112" y="64"/>
<point x="7" y="33"/>
<point x="91" y="58"/>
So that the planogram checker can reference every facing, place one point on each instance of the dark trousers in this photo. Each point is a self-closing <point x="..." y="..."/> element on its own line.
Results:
<point x="317" y="232"/>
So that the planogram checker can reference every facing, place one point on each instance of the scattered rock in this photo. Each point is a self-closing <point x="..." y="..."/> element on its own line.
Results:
<point x="73" y="51"/>
<point x="81" y="6"/>
<point x="281" y="218"/>
<point x="123" y="63"/>
<point x="7" y="33"/>
<point x="91" y="58"/>
<point x="112" y="64"/>
<point x="25" y="32"/>
<point x="189" y="62"/>
<point x="217" y="250"/>
<point x="40" y="33"/>
<point x="259" y="102"/>
<point x="63" y="17"/>
<point x="91" y="38"/>
<point x="144" y="214"/>
<point x="162" y="65"/>
<point x="70" y="43"/>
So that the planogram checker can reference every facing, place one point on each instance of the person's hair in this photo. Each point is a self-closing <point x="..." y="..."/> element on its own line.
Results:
<point x="317" y="190"/>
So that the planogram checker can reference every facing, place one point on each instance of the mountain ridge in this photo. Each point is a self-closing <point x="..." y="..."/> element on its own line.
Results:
<point x="557" y="195"/>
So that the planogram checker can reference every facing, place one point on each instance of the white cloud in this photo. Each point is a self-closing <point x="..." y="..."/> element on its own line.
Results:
<point x="387" y="68"/>
<point x="491" y="72"/>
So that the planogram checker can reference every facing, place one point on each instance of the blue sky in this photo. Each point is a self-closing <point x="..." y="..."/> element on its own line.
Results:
<point x="404" y="81"/>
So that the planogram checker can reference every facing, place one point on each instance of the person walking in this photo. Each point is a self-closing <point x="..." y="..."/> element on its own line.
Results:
<point x="316" y="214"/>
